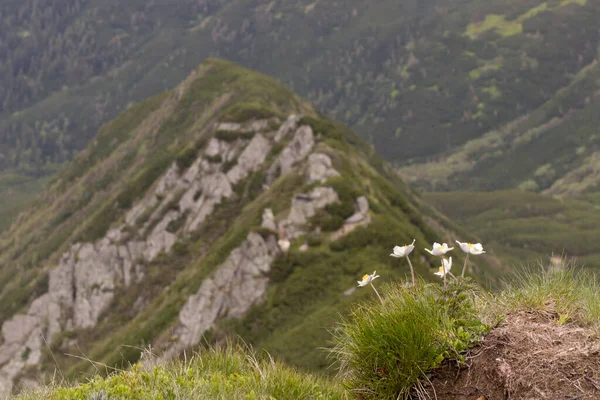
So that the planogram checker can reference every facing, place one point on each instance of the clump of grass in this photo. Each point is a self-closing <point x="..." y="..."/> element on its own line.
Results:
<point x="385" y="349"/>
<point x="570" y="292"/>
<point x="230" y="372"/>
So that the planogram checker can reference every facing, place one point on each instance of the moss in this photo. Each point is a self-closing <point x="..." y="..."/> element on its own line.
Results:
<point x="314" y="240"/>
<point x="232" y="136"/>
<point x="243" y="112"/>
<point x="186" y="158"/>
<point x="264" y="232"/>
<point x="178" y="223"/>
<point x="214" y="159"/>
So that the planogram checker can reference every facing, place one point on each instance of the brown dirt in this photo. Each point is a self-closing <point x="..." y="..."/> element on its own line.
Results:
<point x="528" y="356"/>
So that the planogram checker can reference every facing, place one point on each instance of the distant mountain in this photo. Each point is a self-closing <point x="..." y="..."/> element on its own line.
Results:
<point x="416" y="78"/>
<point x="555" y="149"/>
<point x="528" y="228"/>
<point x="225" y="206"/>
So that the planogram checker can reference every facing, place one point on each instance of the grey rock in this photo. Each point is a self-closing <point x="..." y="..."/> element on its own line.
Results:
<point x="251" y="158"/>
<point x="18" y="327"/>
<point x="268" y="220"/>
<point x="306" y="206"/>
<point x="230" y="291"/>
<point x="298" y="148"/>
<point x="214" y="148"/>
<point x="168" y="180"/>
<point x="252" y="126"/>
<point x="320" y="168"/>
<point x="288" y="126"/>
<point x="362" y="204"/>
<point x="229" y="126"/>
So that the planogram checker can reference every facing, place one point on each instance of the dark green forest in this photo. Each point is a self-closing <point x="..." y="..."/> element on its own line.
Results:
<point x="415" y="79"/>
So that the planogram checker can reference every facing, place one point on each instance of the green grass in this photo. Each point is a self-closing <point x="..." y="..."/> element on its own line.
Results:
<point x="570" y="292"/>
<point x="494" y="22"/>
<point x="523" y="227"/>
<point x="18" y="192"/>
<point x="231" y="372"/>
<point x="385" y="349"/>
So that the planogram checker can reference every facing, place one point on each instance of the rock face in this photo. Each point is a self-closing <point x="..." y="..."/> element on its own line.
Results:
<point x="229" y="292"/>
<point x="320" y="168"/>
<point x="251" y="158"/>
<point x="268" y="220"/>
<point x="296" y="150"/>
<point x="360" y="218"/>
<point x="306" y="206"/>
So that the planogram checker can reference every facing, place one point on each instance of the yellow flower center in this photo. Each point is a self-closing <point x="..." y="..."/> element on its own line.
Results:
<point x="470" y="244"/>
<point x="442" y="269"/>
<point x="365" y="277"/>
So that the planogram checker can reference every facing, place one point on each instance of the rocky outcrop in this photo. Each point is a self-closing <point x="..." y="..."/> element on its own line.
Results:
<point x="288" y="126"/>
<point x="230" y="291"/>
<point x="299" y="147"/>
<point x="303" y="207"/>
<point x="360" y="218"/>
<point x="241" y="280"/>
<point x="306" y="206"/>
<point x="320" y="168"/>
<point x="268" y="220"/>
<point x="251" y="158"/>
<point x="252" y="126"/>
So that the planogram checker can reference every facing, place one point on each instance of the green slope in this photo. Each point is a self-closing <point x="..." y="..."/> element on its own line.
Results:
<point x="553" y="149"/>
<point x="525" y="228"/>
<point x="120" y="170"/>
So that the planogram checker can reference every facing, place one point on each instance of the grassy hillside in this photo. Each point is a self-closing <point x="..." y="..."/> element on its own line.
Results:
<point x="435" y="74"/>
<point x="553" y="149"/>
<point x="116" y="195"/>
<point x="525" y="227"/>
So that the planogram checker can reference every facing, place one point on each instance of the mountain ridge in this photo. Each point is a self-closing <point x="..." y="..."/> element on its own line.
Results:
<point x="173" y="224"/>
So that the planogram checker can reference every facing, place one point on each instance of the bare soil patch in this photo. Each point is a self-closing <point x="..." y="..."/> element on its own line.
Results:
<point x="528" y="356"/>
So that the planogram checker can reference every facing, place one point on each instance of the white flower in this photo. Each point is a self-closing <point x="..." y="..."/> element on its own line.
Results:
<point x="284" y="245"/>
<point x="439" y="249"/>
<point x="366" y="279"/>
<point x="403" y="251"/>
<point x="445" y="267"/>
<point x="471" y="248"/>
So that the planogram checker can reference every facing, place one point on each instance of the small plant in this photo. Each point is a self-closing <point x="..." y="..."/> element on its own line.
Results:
<point x="368" y="280"/>
<point x="570" y="294"/>
<point x="470" y="248"/>
<point x="440" y="250"/>
<point x="404" y="251"/>
<point x="385" y="348"/>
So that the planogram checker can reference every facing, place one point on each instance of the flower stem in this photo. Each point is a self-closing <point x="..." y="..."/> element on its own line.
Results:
<point x="412" y="271"/>
<point x="377" y="293"/>
<point x="444" y="281"/>
<point x="452" y="275"/>
<point x="465" y="266"/>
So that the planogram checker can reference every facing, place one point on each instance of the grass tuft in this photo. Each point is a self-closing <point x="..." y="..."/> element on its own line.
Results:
<point x="384" y="349"/>
<point x="229" y="372"/>
<point x="571" y="293"/>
